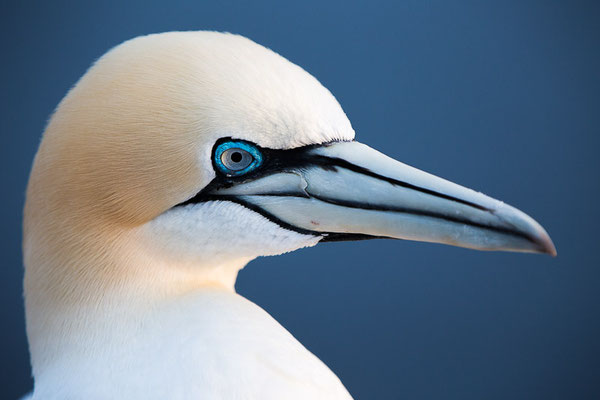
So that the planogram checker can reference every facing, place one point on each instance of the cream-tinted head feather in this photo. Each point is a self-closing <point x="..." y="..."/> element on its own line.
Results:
<point x="134" y="136"/>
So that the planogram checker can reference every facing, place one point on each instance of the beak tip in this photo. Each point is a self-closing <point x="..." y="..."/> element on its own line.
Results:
<point x="544" y="242"/>
<point x="538" y="238"/>
<point x="548" y="246"/>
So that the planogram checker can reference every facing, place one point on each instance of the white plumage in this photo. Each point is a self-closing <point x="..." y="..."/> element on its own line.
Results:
<point x="134" y="235"/>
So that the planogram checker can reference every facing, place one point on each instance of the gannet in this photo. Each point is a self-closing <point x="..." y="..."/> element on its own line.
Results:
<point x="174" y="161"/>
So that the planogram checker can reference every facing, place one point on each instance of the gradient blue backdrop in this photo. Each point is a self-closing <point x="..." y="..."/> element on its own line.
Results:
<point x="499" y="96"/>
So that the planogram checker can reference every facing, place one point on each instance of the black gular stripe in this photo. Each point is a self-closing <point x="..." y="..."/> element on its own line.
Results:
<point x="327" y="236"/>
<point x="259" y="210"/>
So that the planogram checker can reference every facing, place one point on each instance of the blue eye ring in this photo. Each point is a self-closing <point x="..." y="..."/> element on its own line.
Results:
<point x="244" y="148"/>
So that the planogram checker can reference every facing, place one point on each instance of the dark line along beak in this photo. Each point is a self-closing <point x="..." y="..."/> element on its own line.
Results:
<point x="346" y="190"/>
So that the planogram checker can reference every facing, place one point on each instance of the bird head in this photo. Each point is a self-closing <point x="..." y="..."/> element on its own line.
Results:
<point x="203" y="149"/>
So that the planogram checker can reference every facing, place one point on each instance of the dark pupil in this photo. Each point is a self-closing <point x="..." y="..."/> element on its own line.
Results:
<point x="236" y="157"/>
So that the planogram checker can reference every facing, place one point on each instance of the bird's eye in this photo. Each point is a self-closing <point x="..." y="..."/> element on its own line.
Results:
<point x="235" y="158"/>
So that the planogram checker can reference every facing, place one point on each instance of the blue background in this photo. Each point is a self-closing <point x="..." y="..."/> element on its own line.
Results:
<point x="503" y="97"/>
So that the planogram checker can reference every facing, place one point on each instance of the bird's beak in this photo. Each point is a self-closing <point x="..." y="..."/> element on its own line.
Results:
<point x="347" y="190"/>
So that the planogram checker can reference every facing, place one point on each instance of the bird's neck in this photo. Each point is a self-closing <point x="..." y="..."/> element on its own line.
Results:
<point x="97" y="291"/>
